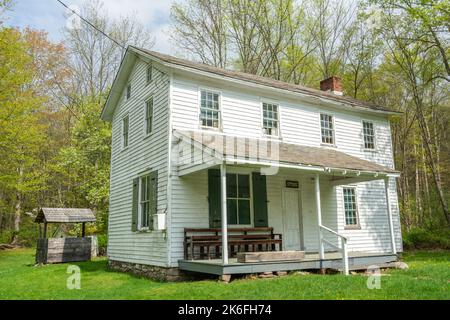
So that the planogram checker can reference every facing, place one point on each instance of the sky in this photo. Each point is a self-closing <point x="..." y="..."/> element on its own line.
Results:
<point x="49" y="15"/>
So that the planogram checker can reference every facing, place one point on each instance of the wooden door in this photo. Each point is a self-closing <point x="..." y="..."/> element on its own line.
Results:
<point x="292" y="235"/>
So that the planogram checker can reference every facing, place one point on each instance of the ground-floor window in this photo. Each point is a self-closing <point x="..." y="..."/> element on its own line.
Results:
<point x="145" y="202"/>
<point x="350" y="207"/>
<point x="238" y="199"/>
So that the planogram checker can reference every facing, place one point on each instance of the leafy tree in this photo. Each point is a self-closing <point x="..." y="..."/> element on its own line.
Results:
<point x="21" y="134"/>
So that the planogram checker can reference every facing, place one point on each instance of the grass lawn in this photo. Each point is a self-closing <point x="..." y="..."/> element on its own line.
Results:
<point x="427" y="278"/>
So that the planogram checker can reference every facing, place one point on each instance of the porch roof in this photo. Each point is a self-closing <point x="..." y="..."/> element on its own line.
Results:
<point x="285" y="153"/>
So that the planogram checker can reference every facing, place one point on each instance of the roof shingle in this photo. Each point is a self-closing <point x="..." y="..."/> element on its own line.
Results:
<point x="265" y="81"/>
<point x="65" y="215"/>
<point x="286" y="153"/>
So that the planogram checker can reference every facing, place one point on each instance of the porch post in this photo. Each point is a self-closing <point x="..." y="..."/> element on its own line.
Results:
<point x="319" y="215"/>
<point x="223" y="184"/>
<point x="389" y="210"/>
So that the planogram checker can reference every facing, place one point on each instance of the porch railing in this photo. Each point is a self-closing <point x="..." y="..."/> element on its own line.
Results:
<point x="342" y="248"/>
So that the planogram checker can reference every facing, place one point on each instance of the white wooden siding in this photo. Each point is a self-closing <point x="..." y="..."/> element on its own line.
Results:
<point x="241" y="116"/>
<point x="143" y="153"/>
<point x="299" y="124"/>
<point x="190" y="210"/>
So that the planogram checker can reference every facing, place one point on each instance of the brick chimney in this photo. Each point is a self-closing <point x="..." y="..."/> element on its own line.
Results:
<point x="333" y="84"/>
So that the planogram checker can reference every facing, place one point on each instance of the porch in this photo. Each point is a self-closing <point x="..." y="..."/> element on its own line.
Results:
<point x="312" y="261"/>
<point x="287" y="188"/>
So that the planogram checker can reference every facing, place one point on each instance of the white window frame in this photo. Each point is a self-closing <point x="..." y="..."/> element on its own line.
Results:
<point x="243" y="172"/>
<point x="274" y="103"/>
<point x="124" y="147"/>
<point x="356" y="226"/>
<point x="128" y="92"/>
<point x="149" y="68"/>
<point x="374" y="135"/>
<point x="333" y="122"/>
<point x="199" y="108"/>
<point x="140" y="227"/>
<point x="146" y="133"/>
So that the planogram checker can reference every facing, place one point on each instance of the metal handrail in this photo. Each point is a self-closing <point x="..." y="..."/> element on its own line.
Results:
<point x="343" y="248"/>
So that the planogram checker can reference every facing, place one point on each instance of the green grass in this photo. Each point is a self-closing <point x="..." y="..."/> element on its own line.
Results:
<point x="427" y="278"/>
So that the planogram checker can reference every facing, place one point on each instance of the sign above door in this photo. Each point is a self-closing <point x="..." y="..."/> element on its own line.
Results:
<point x="292" y="184"/>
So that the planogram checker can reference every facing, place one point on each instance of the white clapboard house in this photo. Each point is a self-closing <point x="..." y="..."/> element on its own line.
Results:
<point x="222" y="172"/>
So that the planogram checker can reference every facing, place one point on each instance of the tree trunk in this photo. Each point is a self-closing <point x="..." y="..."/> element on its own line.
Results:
<point x="425" y="135"/>
<point x="17" y="211"/>
<point x="17" y="219"/>
<point x="427" y="188"/>
<point x="417" y="186"/>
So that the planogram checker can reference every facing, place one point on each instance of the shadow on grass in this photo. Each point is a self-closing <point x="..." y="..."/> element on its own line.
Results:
<point x="93" y="266"/>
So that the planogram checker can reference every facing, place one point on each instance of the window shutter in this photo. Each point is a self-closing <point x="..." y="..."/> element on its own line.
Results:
<point x="259" y="200"/>
<point x="154" y="197"/>
<point x="214" y="198"/>
<point x="135" y="205"/>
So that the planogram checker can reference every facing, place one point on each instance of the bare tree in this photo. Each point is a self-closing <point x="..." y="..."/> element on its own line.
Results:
<point x="200" y="28"/>
<point x="329" y="20"/>
<point x="95" y="59"/>
<point x="418" y="66"/>
<point x="362" y="51"/>
<point x="244" y="34"/>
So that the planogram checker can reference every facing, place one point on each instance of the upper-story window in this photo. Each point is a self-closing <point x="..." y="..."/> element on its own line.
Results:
<point x="369" y="135"/>
<point x="125" y="131"/>
<point x="350" y="207"/>
<point x="128" y="91"/>
<point x="149" y="73"/>
<point x="270" y="119"/>
<point x="149" y="116"/>
<point x="327" y="128"/>
<point x="209" y="109"/>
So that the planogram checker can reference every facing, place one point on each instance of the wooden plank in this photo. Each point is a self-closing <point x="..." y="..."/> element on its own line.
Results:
<point x="59" y="250"/>
<point x="250" y="257"/>
<point x="258" y="229"/>
<point x="210" y="267"/>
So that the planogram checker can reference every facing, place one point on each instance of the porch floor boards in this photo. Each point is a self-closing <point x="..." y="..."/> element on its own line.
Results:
<point x="332" y="260"/>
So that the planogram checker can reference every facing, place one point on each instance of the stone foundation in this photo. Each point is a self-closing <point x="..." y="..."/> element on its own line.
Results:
<point x="151" y="272"/>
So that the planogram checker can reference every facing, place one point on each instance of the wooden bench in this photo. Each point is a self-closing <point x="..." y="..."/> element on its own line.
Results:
<point x="206" y="243"/>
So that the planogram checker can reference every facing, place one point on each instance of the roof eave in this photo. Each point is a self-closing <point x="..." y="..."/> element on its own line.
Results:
<point x="114" y="93"/>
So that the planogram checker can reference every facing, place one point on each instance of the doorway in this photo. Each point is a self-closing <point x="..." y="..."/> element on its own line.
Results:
<point x="292" y="220"/>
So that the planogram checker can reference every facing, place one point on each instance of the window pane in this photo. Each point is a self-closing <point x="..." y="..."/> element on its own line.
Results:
<point x="244" y="212"/>
<point x="369" y="135"/>
<point x="125" y="125"/>
<point x="350" y="206"/>
<point x="244" y="186"/>
<point x="270" y="119"/>
<point x="326" y="123"/>
<point x="149" y="73"/>
<point x="232" y="211"/>
<point x="231" y="186"/>
<point x="209" y="109"/>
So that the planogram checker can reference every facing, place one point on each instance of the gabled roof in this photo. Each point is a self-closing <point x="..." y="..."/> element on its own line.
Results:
<point x="65" y="215"/>
<point x="263" y="81"/>
<point x="286" y="153"/>
<point x="225" y="74"/>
